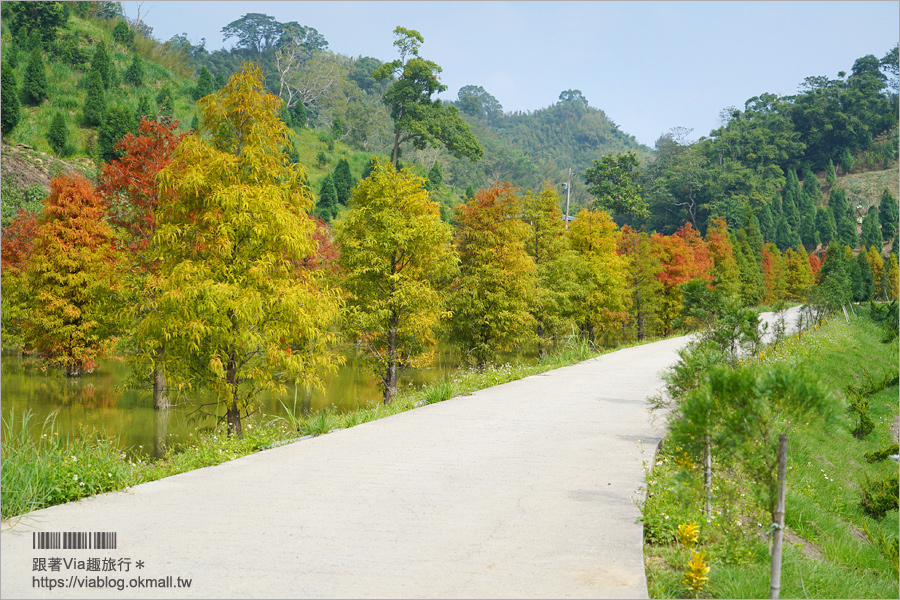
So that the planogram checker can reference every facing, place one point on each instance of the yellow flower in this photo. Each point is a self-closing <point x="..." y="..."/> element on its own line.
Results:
<point x="688" y="534"/>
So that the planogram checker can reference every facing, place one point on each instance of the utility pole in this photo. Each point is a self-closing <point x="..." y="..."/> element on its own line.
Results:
<point x="568" y="191"/>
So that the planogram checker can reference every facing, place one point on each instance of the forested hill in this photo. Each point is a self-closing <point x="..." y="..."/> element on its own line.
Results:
<point x="335" y="104"/>
<point x="84" y="75"/>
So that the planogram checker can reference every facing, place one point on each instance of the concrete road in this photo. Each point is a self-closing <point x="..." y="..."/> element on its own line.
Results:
<point x="524" y="490"/>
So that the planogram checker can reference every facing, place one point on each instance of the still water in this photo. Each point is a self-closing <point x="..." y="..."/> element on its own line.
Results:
<point x="97" y="401"/>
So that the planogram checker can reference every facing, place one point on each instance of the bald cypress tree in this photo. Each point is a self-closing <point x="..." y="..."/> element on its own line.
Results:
<point x="34" y="85"/>
<point x="10" y="109"/>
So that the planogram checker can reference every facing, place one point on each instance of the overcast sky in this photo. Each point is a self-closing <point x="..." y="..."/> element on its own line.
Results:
<point x="649" y="66"/>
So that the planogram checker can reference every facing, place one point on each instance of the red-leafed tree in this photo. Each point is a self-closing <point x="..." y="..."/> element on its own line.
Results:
<point x="15" y="249"/>
<point x="815" y="263"/>
<point x="129" y="185"/>
<point x="71" y="278"/>
<point x="775" y="279"/>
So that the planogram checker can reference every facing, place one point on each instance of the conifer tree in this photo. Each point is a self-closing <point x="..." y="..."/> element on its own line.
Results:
<point x="830" y="175"/>
<point x="809" y="237"/>
<point x="205" y="85"/>
<point x="892" y="275"/>
<point x="725" y="274"/>
<point x="370" y="167"/>
<point x="847" y="161"/>
<point x="235" y="314"/>
<point x="791" y="213"/>
<point x="846" y="231"/>
<point x="343" y="181"/>
<point x="10" y="110"/>
<point x="397" y="259"/>
<point x="825" y="225"/>
<point x="775" y="279"/>
<point x="799" y="274"/>
<point x="835" y="287"/>
<point x="134" y="74"/>
<point x="643" y="269"/>
<point x="58" y="135"/>
<point x="117" y="121"/>
<point x="144" y="108"/>
<point x="71" y="276"/>
<point x="837" y="202"/>
<point x="863" y="282"/>
<point x="435" y="176"/>
<point x="783" y="234"/>
<point x="888" y="214"/>
<point x="34" y="84"/>
<point x="876" y="266"/>
<point x="752" y="287"/>
<point x="165" y="102"/>
<point x="603" y="295"/>
<point x="327" y="206"/>
<point x="102" y="64"/>
<point x="767" y="227"/>
<point x="492" y="296"/>
<point x="94" y="101"/>
<point x="871" y="230"/>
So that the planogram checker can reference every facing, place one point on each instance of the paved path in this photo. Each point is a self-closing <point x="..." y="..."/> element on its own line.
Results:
<point x="524" y="490"/>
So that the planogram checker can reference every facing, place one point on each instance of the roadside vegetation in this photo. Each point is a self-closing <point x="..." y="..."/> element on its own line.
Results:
<point x="840" y="537"/>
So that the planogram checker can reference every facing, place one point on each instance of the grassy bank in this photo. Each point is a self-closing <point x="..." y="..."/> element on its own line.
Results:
<point x="839" y="541"/>
<point x="42" y="468"/>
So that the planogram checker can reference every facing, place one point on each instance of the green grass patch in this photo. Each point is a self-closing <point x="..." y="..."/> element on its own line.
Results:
<point x="833" y="548"/>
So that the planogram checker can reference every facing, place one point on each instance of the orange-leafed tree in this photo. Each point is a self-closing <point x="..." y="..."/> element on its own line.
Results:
<point x="684" y="257"/>
<point x="71" y="278"/>
<point x="876" y="264"/>
<point x="491" y="298"/>
<point x="130" y="186"/>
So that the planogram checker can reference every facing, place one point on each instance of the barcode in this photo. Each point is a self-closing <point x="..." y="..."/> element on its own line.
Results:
<point x="74" y="540"/>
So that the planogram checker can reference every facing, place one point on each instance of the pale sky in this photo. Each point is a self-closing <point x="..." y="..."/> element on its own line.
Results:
<point x="649" y="66"/>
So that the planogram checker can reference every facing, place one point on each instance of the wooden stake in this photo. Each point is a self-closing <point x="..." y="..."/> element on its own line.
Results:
<point x="778" y="519"/>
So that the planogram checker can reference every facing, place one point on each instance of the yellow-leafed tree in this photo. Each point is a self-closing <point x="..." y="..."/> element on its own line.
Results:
<point x="234" y="314"/>
<point x="397" y="259"/>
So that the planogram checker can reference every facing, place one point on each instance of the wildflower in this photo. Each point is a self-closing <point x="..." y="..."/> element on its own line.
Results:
<point x="74" y="459"/>
<point x="75" y="476"/>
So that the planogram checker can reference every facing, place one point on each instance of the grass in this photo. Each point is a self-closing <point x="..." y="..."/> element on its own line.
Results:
<point x="39" y="470"/>
<point x="833" y="549"/>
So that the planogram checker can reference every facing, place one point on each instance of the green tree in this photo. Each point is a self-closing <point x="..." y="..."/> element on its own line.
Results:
<point x="94" y="107"/>
<point x="124" y="35"/>
<point x="837" y="202"/>
<point x="889" y="215"/>
<point x="835" y="287"/>
<point x="643" y="268"/>
<point x="863" y="282"/>
<point x="491" y="298"/>
<point x="233" y="311"/>
<point x="474" y="101"/>
<point x="871" y="230"/>
<point x="102" y="63"/>
<point x="165" y="102"/>
<point x="847" y="161"/>
<point x="58" y="135"/>
<point x="343" y="181"/>
<point x="34" y="84"/>
<point x="204" y="85"/>
<point x="327" y="206"/>
<point x="435" y="177"/>
<point x="134" y="74"/>
<point x="44" y="18"/>
<point x="846" y="231"/>
<point x="417" y="118"/>
<point x="71" y="277"/>
<point x="613" y="181"/>
<point x="10" y="110"/>
<point x="830" y="175"/>
<point x="825" y="225"/>
<point x="255" y="32"/>
<point x="397" y="259"/>
<point x="118" y="121"/>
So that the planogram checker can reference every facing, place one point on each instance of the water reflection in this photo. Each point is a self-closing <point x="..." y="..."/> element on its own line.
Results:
<point x="96" y="400"/>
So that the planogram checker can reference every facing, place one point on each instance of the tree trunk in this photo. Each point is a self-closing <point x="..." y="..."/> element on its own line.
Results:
<point x="778" y="519"/>
<point x="160" y="439"/>
<point x="233" y="414"/>
<point x="396" y="148"/>
<point x="391" y="376"/>
<point x="160" y="391"/>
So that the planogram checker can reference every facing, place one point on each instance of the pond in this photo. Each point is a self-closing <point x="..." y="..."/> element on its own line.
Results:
<point x="96" y="400"/>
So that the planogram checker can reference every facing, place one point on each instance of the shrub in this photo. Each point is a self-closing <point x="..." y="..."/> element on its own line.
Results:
<point x="880" y="496"/>
<point x="58" y="135"/>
